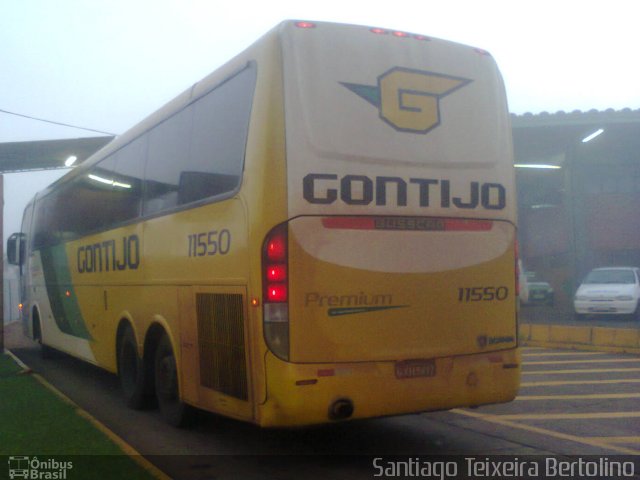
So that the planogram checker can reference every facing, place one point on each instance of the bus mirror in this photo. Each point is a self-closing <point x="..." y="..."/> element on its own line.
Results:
<point x="16" y="249"/>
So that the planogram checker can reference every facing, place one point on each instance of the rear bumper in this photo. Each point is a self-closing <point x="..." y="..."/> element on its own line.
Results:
<point x="305" y="394"/>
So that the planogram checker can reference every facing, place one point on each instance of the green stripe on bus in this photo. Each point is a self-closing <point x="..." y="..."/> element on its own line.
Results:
<point x="61" y="293"/>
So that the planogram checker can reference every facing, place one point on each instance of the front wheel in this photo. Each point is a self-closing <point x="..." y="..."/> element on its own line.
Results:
<point x="174" y="411"/>
<point x="46" y="352"/>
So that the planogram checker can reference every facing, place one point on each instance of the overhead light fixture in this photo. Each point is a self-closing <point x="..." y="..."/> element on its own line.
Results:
<point x="70" y="161"/>
<point x="537" y="165"/>
<point x="588" y="138"/>
<point x="107" y="181"/>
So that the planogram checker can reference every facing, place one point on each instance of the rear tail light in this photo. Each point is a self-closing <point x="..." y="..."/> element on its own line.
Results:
<point x="275" y="294"/>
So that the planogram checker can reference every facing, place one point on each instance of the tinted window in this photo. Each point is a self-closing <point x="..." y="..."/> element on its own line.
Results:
<point x="196" y="154"/>
<point x="199" y="152"/>
<point x="127" y="181"/>
<point x="168" y="154"/>
<point x="44" y="221"/>
<point x="86" y="203"/>
<point x="72" y="209"/>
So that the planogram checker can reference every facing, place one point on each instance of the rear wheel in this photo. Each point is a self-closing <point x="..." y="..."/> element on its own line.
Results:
<point x="174" y="411"/>
<point x="131" y="371"/>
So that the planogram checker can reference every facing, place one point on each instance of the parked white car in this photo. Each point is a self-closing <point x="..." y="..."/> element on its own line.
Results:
<point x="523" y="283"/>
<point x="609" y="291"/>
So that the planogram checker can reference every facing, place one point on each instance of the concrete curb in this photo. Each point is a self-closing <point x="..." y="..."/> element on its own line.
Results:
<point x="581" y="337"/>
<point x="124" y="446"/>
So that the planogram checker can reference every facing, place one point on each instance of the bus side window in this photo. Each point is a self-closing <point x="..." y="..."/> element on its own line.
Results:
<point x="128" y="174"/>
<point x="218" y="139"/>
<point x="198" y="153"/>
<point x="168" y="151"/>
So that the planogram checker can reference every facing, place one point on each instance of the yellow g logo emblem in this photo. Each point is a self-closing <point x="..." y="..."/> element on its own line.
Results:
<point x="409" y="100"/>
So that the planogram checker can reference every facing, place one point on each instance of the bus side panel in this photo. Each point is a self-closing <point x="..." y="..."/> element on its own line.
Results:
<point x="196" y="271"/>
<point x="62" y="324"/>
<point x="74" y="287"/>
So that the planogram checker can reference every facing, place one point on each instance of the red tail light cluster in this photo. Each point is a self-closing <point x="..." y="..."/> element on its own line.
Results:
<point x="275" y="266"/>
<point x="275" y="291"/>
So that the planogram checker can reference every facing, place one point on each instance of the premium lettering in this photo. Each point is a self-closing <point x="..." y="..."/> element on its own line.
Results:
<point x="316" y="299"/>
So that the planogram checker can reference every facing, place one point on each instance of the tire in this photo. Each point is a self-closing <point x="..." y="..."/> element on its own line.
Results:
<point x="174" y="411"/>
<point x="131" y="371"/>
<point x="46" y="352"/>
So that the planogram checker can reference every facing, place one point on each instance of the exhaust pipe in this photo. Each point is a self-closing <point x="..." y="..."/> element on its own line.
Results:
<point x="341" y="409"/>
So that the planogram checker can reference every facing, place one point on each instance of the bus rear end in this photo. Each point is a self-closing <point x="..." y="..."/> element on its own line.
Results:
<point x="391" y="288"/>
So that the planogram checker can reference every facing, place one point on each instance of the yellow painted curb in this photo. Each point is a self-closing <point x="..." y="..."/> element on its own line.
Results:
<point x="124" y="446"/>
<point x="605" y="339"/>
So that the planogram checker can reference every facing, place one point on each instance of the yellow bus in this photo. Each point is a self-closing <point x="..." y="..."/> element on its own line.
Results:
<point x="321" y="230"/>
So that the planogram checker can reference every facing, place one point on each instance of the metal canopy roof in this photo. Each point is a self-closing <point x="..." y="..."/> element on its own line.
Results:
<point x="546" y="135"/>
<point x="47" y="154"/>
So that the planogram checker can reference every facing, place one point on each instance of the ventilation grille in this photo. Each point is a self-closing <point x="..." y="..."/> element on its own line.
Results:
<point x="221" y="343"/>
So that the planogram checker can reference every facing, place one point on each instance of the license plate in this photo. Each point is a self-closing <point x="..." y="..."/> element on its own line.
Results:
<point x="415" y="368"/>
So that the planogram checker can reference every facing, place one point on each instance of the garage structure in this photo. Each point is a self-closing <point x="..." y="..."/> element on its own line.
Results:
<point x="578" y="180"/>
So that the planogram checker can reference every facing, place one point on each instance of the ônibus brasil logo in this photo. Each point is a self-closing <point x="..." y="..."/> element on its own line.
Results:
<point x="34" y="468"/>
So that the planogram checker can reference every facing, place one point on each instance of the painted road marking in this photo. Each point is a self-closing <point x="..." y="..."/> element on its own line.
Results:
<point x="562" y="354"/>
<point x="593" y="370"/>
<point x="568" y="416"/>
<point x="578" y="382"/>
<point x="591" y="441"/>
<point x="619" y="444"/>
<point x="618" y="439"/>
<point x="566" y="362"/>
<point x="586" y="396"/>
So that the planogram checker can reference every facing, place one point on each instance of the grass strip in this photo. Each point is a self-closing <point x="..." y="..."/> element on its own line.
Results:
<point x="36" y="423"/>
